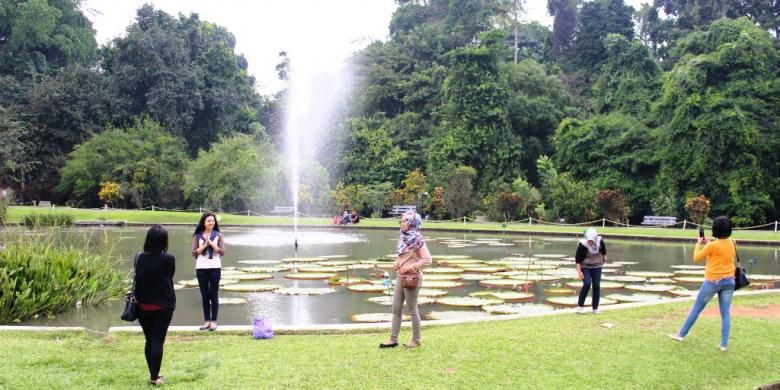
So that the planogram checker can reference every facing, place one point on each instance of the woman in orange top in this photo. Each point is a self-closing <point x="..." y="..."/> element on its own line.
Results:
<point x="718" y="278"/>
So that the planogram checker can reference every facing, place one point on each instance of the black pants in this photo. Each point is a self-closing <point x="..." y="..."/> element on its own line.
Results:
<point x="208" y="280"/>
<point x="155" y="325"/>
<point x="592" y="276"/>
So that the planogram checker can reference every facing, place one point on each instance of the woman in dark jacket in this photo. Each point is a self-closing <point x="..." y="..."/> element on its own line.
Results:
<point x="590" y="258"/>
<point x="154" y="271"/>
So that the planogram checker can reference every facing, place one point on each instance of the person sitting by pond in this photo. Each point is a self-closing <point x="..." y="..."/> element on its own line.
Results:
<point x="208" y="245"/>
<point x="346" y="217"/>
<point x="590" y="258"/>
<point x="718" y="278"/>
<point x="412" y="256"/>
<point x="153" y="280"/>
<point x="355" y="217"/>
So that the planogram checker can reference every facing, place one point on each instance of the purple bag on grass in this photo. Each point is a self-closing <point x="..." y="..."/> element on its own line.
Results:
<point x="261" y="328"/>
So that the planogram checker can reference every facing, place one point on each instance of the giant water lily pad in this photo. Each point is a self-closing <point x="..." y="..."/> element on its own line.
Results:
<point x="303" y="291"/>
<point x="189" y="283"/>
<point x="251" y="287"/>
<point x="650" y="287"/>
<point x="459" y="262"/>
<point x="260" y="262"/>
<point x="346" y="281"/>
<point x="469" y="277"/>
<point x="501" y="244"/>
<point x="635" y="297"/>
<point x="518" y="308"/>
<point x="264" y="270"/>
<point x="443" y="270"/>
<point x="483" y="270"/>
<point x="650" y="274"/>
<point x="443" y="277"/>
<point x="689" y="279"/>
<point x="302" y="259"/>
<point x="550" y="256"/>
<point x="321" y="269"/>
<point x="431" y="292"/>
<point x="625" y="262"/>
<point x="624" y="278"/>
<point x="689" y="272"/>
<point x="232" y="301"/>
<point x="441" y="283"/>
<point x="505" y="283"/>
<point x="763" y="278"/>
<point x="310" y="276"/>
<point x="372" y="288"/>
<point x="612" y="265"/>
<point x="661" y="280"/>
<point x="337" y="263"/>
<point x="387" y="300"/>
<point x="605" y="285"/>
<point x="456" y="315"/>
<point x="450" y="257"/>
<point x="507" y="296"/>
<point x="681" y="292"/>
<point x="539" y="277"/>
<point x="559" y="291"/>
<point x="333" y="256"/>
<point x="376" y="317"/>
<point x="572" y="301"/>
<point x="249" y="276"/>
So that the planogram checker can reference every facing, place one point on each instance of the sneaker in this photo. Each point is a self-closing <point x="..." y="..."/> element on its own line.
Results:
<point x="596" y="311"/>
<point x="580" y="310"/>
<point x="722" y="349"/>
<point x="676" y="337"/>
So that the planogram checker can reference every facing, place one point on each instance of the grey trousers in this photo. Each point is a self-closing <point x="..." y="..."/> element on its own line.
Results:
<point x="409" y="295"/>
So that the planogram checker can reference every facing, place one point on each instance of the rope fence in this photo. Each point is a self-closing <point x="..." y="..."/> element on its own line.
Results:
<point x="604" y="222"/>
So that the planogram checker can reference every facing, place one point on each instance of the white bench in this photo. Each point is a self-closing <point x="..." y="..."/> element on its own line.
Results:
<point x="44" y="203"/>
<point x="400" y="209"/>
<point x="659" y="220"/>
<point x="282" y="210"/>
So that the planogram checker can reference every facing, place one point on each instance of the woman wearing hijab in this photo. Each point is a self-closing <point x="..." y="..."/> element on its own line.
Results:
<point x="154" y="269"/>
<point x="590" y="257"/>
<point x="412" y="256"/>
<point x="208" y="246"/>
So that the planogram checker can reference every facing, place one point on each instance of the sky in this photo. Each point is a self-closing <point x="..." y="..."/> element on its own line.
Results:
<point x="321" y="31"/>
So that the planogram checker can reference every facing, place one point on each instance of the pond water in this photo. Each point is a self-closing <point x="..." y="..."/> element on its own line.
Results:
<point x="353" y="245"/>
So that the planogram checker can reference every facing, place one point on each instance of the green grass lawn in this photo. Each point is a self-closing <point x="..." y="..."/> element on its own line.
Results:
<point x="16" y="214"/>
<point x="564" y="351"/>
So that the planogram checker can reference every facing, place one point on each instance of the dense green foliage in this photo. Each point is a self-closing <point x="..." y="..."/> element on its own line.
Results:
<point x="41" y="277"/>
<point x="613" y="112"/>
<point x="48" y="219"/>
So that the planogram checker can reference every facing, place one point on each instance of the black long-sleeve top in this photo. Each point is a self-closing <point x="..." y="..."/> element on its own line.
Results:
<point x="154" y="279"/>
<point x="582" y="252"/>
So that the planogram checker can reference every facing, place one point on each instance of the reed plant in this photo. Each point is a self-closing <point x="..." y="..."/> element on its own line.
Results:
<point x="50" y="219"/>
<point x="40" y="275"/>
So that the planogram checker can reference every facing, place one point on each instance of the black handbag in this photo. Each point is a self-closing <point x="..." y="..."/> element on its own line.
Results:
<point x="740" y="277"/>
<point x="131" y="304"/>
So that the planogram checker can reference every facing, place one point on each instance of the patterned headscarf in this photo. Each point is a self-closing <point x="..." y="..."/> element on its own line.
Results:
<point x="591" y="235"/>
<point x="411" y="239"/>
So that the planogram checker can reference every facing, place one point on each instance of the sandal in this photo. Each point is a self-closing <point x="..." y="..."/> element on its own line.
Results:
<point x="157" y="382"/>
<point x="213" y="327"/>
<point x="206" y="326"/>
<point x="411" y="345"/>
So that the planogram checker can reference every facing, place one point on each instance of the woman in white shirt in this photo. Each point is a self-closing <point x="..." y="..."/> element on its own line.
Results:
<point x="208" y="246"/>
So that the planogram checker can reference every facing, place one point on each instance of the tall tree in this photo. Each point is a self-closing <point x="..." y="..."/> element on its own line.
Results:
<point x="598" y="19"/>
<point x="564" y="13"/>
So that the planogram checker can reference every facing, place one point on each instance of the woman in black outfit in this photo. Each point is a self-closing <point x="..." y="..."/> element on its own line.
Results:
<point x="154" y="271"/>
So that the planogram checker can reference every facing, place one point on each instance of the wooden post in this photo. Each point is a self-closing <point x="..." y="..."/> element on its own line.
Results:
<point x="685" y="221"/>
<point x="603" y="222"/>
<point x="775" y="226"/>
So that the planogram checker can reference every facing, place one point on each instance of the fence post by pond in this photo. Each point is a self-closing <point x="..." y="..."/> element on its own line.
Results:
<point x="603" y="222"/>
<point x="153" y="208"/>
<point x="684" y="222"/>
<point x="464" y="219"/>
<point x="529" y="221"/>
<point x="775" y="226"/>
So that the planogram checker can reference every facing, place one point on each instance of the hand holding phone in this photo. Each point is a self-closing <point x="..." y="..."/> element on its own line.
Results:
<point x="701" y="232"/>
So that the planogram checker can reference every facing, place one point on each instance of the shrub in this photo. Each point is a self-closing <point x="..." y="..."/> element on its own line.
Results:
<point x="39" y="277"/>
<point x="38" y="220"/>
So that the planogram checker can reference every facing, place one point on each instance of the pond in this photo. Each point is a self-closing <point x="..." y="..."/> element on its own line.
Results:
<point x="492" y="256"/>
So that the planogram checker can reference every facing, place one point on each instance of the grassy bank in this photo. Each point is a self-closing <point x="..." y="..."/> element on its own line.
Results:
<point x="566" y="351"/>
<point x="16" y="215"/>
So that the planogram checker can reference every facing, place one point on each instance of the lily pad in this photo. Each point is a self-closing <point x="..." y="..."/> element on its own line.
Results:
<point x="507" y="296"/>
<point x="681" y="292"/>
<point x="650" y="287"/>
<point x="376" y="317"/>
<point x="605" y="285"/>
<point x="559" y="291"/>
<point x="625" y="262"/>
<point x="442" y="277"/>
<point x="264" y="270"/>
<point x="249" y="276"/>
<point x="661" y="280"/>
<point x="635" y="297"/>
<point x="372" y="288"/>
<point x="387" y="300"/>
<point x="763" y="278"/>
<point x="469" y="277"/>
<point x="457" y="262"/>
<point x="232" y="301"/>
<point x="303" y="291"/>
<point x="302" y="259"/>
<point x="253" y="287"/>
<point x="333" y="256"/>
<point x="345" y="281"/>
<point x="443" y="270"/>
<point x="650" y="274"/>
<point x="518" y="308"/>
<point x="483" y="270"/>
<point x="505" y="283"/>
<point x="260" y="262"/>
<point x="688" y="266"/>
<point x="310" y="276"/>
<point x="322" y="269"/>
<point x="441" y="283"/>
<point x="624" y="278"/>
<point x="194" y="282"/>
<point x="572" y="301"/>
<point x="689" y="279"/>
<point x="450" y="257"/>
<point x="550" y="256"/>
<point x="456" y="315"/>
<point x="431" y="292"/>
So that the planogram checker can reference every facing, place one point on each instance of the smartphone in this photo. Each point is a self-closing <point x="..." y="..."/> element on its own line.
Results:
<point x="701" y="232"/>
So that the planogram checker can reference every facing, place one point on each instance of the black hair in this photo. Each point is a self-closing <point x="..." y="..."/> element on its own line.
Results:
<point x="156" y="240"/>
<point x="202" y="224"/>
<point x="721" y="227"/>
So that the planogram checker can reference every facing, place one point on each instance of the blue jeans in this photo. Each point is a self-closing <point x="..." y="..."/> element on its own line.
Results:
<point x="725" y="290"/>
<point x="590" y="276"/>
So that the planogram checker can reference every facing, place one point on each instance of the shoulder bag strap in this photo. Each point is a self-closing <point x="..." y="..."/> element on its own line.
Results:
<point x="135" y="267"/>
<point x="735" y="251"/>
